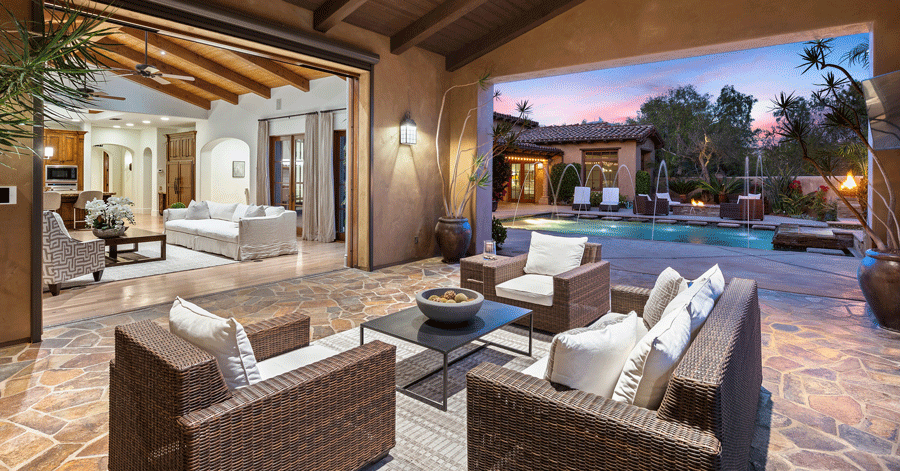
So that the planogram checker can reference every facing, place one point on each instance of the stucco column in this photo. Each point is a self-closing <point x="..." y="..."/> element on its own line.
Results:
<point x="885" y="44"/>
<point x="481" y="228"/>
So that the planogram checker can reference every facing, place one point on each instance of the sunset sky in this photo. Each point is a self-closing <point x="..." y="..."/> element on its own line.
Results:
<point x="616" y="94"/>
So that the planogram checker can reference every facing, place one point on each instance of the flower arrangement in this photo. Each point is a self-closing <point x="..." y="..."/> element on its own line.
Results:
<point x="112" y="214"/>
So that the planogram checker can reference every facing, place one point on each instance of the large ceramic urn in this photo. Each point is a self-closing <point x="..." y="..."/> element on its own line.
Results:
<point x="879" y="279"/>
<point x="453" y="237"/>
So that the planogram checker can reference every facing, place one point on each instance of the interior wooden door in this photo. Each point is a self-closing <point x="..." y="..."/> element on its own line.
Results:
<point x="186" y="181"/>
<point x="172" y="194"/>
<point x="106" y="172"/>
<point x="340" y="184"/>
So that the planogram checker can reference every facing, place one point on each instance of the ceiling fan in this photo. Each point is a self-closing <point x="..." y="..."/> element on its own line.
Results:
<point x="90" y="93"/>
<point x="147" y="70"/>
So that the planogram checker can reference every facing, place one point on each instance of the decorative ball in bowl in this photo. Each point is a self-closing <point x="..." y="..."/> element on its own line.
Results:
<point x="449" y="305"/>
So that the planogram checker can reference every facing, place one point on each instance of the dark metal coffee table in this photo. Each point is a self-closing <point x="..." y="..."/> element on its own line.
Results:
<point x="412" y="326"/>
<point x="133" y="236"/>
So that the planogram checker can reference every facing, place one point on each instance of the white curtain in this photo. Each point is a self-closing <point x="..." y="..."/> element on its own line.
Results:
<point x="263" y="185"/>
<point x="318" y="179"/>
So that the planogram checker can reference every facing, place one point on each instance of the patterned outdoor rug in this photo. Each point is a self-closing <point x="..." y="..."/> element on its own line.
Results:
<point x="427" y="438"/>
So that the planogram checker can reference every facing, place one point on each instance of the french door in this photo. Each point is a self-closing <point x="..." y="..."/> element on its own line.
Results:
<point x="287" y="171"/>
<point x="521" y="182"/>
<point x="340" y="183"/>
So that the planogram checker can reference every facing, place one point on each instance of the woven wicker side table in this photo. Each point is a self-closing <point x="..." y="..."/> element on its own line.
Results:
<point x="471" y="273"/>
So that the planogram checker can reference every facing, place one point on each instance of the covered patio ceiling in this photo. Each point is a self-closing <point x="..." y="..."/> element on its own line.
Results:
<point x="460" y="30"/>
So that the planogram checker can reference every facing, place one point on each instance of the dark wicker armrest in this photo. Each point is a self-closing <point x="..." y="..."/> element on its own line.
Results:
<point x="625" y="299"/>
<point x="273" y="337"/>
<point x="585" y="285"/>
<point x="337" y="413"/>
<point x="518" y="419"/>
<point x="502" y="270"/>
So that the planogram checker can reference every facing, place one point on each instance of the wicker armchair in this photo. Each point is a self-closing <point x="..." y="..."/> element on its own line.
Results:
<point x="745" y="209"/>
<point x="580" y="296"/>
<point x="706" y="421"/>
<point x="169" y="408"/>
<point x="643" y="205"/>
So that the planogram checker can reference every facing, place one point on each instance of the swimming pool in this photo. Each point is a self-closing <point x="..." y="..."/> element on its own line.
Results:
<point x="708" y="235"/>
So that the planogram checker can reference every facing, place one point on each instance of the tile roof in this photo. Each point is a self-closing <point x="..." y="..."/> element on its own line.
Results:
<point x="590" y="133"/>
<point x="528" y="147"/>
<point x="515" y="119"/>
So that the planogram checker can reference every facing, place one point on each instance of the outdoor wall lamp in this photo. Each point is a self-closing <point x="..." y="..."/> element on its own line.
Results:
<point x="407" y="131"/>
<point x="48" y="152"/>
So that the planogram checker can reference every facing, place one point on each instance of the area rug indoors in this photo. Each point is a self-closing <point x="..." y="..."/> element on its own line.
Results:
<point x="177" y="259"/>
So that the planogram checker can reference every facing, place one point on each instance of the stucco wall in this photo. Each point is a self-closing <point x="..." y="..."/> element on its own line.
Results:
<point x="628" y="152"/>
<point x="644" y="32"/>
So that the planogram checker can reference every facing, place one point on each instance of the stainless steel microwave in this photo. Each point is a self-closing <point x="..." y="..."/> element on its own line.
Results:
<point x="60" y="174"/>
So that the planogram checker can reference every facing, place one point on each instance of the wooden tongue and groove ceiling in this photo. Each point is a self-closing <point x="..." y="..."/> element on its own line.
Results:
<point x="460" y="30"/>
<point x="219" y="74"/>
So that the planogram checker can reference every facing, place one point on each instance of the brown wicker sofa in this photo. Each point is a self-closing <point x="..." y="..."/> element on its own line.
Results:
<point x="169" y="408"/>
<point x="579" y="295"/>
<point x="745" y="210"/>
<point x="645" y="206"/>
<point x="706" y="420"/>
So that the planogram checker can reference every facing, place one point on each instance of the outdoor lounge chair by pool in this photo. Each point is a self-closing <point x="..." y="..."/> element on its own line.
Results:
<point x="610" y="200"/>
<point x="581" y="199"/>
<point x="706" y="421"/>
<point x="746" y="209"/>
<point x="643" y="205"/>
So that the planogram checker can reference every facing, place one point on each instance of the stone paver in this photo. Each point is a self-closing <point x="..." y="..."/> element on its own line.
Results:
<point x="830" y="398"/>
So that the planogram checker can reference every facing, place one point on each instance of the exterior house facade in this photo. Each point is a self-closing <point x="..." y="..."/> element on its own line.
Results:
<point x="601" y="149"/>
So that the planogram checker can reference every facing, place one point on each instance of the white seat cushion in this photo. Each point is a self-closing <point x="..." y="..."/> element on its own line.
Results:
<point x="221" y="211"/>
<point x="610" y="196"/>
<point x="535" y="289"/>
<point x="645" y="375"/>
<point x="751" y="196"/>
<point x="272" y="367"/>
<point x="591" y="359"/>
<point x="222" y="338"/>
<point x="188" y="226"/>
<point x="551" y="255"/>
<point x="225" y="231"/>
<point x="668" y="285"/>
<point x="664" y="196"/>
<point x="581" y="195"/>
<point x="538" y="368"/>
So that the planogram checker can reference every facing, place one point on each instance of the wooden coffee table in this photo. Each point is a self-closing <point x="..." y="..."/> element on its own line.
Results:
<point x="133" y="236"/>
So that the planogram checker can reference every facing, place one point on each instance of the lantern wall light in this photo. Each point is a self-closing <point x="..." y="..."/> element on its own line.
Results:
<point x="407" y="131"/>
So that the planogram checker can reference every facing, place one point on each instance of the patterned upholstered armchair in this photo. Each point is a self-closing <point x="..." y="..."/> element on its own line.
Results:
<point x="65" y="258"/>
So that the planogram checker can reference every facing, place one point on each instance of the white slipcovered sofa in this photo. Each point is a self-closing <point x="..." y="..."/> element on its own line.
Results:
<point x="229" y="233"/>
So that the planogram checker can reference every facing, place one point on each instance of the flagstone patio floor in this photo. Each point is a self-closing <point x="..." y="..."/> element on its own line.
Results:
<point x="831" y="397"/>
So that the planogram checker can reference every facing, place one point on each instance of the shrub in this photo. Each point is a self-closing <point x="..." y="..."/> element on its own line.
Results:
<point x="821" y="208"/>
<point x="642" y="183"/>
<point x="500" y="178"/>
<point x="683" y="186"/>
<point x="177" y="205"/>
<point x="498" y="233"/>
<point x="570" y="180"/>
<point x="596" y="198"/>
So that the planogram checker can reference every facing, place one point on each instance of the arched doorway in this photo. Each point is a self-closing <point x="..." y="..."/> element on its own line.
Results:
<point x="225" y="171"/>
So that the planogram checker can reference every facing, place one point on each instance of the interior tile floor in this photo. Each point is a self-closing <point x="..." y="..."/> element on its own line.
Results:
<point x="830" y="399"/>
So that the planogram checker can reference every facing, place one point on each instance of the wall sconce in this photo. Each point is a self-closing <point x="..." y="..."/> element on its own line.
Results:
<point x="407" y="131"/>
<point x="48" y="152"/>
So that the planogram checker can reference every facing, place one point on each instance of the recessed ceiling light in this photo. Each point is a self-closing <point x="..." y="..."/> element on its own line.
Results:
<point x="164" y="118"/>
<point x="117" y="126"/>
<point x="162" y="53"/>
<point x="129" y="124"/>
<point x="146" y="121"/>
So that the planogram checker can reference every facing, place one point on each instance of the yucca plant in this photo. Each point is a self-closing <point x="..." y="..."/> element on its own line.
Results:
<point x="49" y="66"/>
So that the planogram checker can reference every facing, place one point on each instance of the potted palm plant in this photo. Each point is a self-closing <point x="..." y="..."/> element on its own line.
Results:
<point x="841" y="99"/>
<point x="453" y="231"/>
<point x="44" y="73"/>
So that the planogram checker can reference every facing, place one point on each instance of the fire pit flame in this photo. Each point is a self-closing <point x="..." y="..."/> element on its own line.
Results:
<point x="849" y="183"/>
<point x="696" y="202"/>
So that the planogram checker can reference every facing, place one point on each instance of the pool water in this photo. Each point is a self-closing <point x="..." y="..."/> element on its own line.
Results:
<point x="708" y="235"/>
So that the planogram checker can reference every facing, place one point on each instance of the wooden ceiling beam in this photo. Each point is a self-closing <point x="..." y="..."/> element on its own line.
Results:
<point x="120" y="51"/>
<point x="173" y="92"/>
<point x="333" y="12"/>
<point x="512" y="29"/>
<point x="276" y="68"/>
<point x="433" y="21"/>
<point x="174" y="49"/>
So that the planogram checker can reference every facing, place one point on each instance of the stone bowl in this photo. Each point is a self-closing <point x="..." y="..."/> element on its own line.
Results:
<point x="447" y="313"/>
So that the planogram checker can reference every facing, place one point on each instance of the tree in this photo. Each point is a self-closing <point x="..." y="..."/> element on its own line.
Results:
<point x="700" y="134"/>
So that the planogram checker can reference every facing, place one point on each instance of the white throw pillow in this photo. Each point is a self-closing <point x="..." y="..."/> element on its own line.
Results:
<point x="551" y="255"/>
<point x="197" y="210"/>
<point x="591" y="359"/>
<point x="274" y="210"/>
<point x="239" y="212"/>
<point x="255" y="211"/>
<point x="222" y="338"/>
<point x="700" y="297"/>
<point x="221" y="211"/>
<point x="668" y="284"/>
<point x="645" y="375"/>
